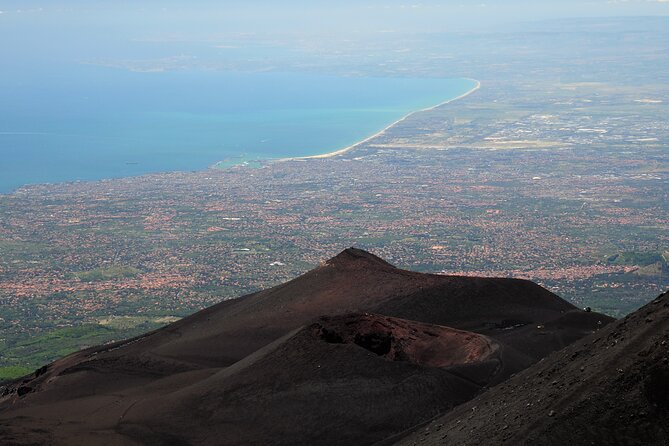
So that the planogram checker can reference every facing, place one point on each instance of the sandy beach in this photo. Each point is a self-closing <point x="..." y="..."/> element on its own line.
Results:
<point x="353" y="146"/>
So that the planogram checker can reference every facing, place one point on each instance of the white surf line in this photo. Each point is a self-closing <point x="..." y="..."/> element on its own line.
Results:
<point x="359" y="143"/>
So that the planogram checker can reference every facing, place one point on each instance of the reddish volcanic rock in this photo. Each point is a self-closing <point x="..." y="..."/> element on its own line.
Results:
<point x="610" y="388"/>
<point x="264" y="369"/>
<point x="402" y="340"/>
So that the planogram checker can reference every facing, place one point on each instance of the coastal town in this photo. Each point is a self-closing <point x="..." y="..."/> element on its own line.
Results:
<point x="563" y="182"/>
<point x="165" y="245"/>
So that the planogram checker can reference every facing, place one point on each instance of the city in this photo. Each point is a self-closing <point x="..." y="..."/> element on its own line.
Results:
<point x="563" y="183"/>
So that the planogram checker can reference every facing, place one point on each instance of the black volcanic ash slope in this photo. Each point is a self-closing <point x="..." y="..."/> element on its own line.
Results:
<point x="610" y="388"/>
<point x="265" y="369"/>
<point x="350" y="379"/>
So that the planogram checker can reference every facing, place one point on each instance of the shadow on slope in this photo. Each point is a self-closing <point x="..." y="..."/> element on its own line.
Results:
<point x="611" y="387"/>
<point x="189" y="373"/>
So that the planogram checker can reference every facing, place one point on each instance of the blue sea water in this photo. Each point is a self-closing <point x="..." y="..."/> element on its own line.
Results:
<point x="94" y="122"/>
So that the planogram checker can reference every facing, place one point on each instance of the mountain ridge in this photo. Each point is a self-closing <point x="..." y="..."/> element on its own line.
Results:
<point x="611" y="387"/>
<point x="350" y="346"/>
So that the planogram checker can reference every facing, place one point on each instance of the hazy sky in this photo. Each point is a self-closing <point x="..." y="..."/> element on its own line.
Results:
<point x="49" y="31"/>
<point x="201" y="17"/>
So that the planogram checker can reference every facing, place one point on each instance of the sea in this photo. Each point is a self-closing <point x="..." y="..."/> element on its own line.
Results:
<point x="97" y="122"/>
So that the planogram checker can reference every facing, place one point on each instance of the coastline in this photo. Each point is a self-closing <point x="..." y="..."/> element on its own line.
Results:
<point x="221" y="164"/>
<point x="385" y="129"/>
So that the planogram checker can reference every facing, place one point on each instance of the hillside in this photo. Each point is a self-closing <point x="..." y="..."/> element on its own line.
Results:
<point x="354" y="349"/>
<point x="611" y="387"/>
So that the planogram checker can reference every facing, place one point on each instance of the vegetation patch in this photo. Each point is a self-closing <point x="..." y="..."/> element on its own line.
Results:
<point x="13" y="372"/>
<point x="636" y="258"/>
<point x="110" y="273"/>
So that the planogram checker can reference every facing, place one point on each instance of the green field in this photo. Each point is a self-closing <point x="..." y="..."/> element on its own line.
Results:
<point x="28" y="353"/>
<point x="110" y="273"/>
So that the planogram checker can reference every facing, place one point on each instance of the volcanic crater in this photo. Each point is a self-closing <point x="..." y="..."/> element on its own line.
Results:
<point x="397" y="339"/>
